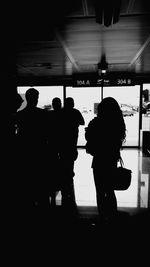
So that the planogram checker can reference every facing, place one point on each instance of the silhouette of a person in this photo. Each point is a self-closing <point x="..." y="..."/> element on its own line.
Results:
<point x="16" y="102"/>
<point x="31" y="134"/>
<point x="54" y="132"/>
<point x="71" y="120"/>
<point x="11" y="170"/>
<point x="56" y="114"/>
<point x="9" y="128"/>
<point x="12" y="130"/>
<point x="9" y="167"/>
<point x="106" y="132"/>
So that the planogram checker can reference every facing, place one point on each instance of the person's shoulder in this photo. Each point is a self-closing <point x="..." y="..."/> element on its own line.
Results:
<point x="94" y="121"/>
<point x="20" y="112"/>
<point x="41" y="110"/>
<point x="76" y="111"/>
<point x="50" y="114"/>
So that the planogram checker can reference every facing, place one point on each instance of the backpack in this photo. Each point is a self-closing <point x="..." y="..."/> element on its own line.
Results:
<point x="90" y="145"/>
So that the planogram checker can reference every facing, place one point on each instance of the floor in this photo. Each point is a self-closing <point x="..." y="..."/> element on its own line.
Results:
<point x="78" y="236"/>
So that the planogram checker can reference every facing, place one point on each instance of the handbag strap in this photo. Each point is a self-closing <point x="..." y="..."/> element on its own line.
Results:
<point x="121" y="161"/>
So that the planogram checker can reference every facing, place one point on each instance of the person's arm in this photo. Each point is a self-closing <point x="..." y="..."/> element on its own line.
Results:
<point x="88" y="131"/>
<point x="81" y="119"/>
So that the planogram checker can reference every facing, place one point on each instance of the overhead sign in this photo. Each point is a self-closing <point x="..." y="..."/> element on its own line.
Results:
<point x="86" y="82"/>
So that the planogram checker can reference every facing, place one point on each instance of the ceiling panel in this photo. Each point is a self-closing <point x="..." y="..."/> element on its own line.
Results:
<point x="77" y="44"/>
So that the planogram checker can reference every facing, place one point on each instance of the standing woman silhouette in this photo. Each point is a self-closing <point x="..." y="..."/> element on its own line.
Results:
<point x="106" y="133"/>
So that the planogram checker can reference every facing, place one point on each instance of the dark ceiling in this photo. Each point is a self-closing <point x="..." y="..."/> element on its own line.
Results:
<point x="61" y="38"/>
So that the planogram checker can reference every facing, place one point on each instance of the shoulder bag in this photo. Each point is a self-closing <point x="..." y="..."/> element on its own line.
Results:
<point x="122" y="177"/>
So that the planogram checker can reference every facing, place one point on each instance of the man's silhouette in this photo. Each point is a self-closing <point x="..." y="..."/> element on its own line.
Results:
<point x="10" y="168"/>
<point x="54" y="131"/>
<point x="71" y="120"/>
<point x="31" y="134"/>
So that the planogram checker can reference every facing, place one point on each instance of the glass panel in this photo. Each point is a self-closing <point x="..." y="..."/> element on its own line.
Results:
<point x="128" y="99"/>
<point x="146" y="107"/>
<point x="46" y="94"/>
<point x="85" y="100"/>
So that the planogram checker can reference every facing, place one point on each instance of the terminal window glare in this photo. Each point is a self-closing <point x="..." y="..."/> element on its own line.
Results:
<point x="46" y="94"/>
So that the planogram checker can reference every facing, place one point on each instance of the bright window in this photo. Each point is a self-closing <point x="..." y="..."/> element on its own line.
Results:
<point x="86" y="100"/>
<point x="46" y="94"/>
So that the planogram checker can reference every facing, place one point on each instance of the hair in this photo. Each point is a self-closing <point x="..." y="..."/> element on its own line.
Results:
<point x="110" y="112"/>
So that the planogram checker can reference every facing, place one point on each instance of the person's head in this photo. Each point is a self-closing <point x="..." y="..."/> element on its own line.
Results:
<point x="107" y="107"/>
<point x="110" y="112"/>
<point x="32" y="96"/>
<point x="69" y="103"/>
<point x="56" y="103"/>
